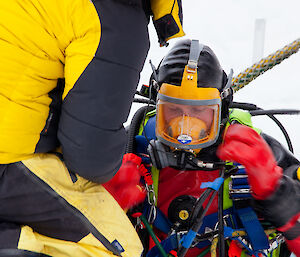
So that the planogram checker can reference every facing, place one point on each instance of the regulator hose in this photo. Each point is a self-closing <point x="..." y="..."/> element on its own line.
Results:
<point x="255" y="111"/>
<point x="134" y="127"/>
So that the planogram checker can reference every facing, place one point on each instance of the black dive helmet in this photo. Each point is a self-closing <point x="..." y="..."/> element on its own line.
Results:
<point x="189" y="78"/>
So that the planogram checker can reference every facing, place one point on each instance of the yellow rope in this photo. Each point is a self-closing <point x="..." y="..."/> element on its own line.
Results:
<point x="251" y="73"/>
<point x="213" y="248"/>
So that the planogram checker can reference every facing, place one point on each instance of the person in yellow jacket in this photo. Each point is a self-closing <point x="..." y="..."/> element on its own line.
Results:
<point x="68" y="73"/>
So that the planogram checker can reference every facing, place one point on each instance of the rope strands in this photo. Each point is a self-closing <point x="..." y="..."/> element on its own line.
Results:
<point x="251" y="73"/>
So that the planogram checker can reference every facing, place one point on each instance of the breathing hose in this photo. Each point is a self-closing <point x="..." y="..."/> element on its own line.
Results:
<point x="255" y="111"/>
<point x="134" y="127"/>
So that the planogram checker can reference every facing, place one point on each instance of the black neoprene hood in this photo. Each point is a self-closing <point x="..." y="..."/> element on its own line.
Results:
<point x="210" y="73"/>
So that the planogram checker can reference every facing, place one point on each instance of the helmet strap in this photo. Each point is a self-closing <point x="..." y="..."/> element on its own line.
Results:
<point x="227" y="90"/>
<point x="195" y="51"/>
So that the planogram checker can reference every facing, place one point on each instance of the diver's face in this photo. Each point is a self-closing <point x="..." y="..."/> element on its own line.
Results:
<point x="204" y="113"/>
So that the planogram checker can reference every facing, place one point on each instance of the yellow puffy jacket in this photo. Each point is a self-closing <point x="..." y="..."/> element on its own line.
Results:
<point x="68" y="72"/>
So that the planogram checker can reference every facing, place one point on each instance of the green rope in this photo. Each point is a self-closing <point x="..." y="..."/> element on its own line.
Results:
<point x="151" y="232"/>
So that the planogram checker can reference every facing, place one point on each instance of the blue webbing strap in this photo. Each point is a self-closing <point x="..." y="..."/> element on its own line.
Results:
<point x="215" y="185"/>
<point x="168" y="244"/>
<point x="188" y="239"/>
<point x="161" y="222"/>
<point x="248" y="217"/>
<point x="171" y="243"/>
<point x="255" y="231"/>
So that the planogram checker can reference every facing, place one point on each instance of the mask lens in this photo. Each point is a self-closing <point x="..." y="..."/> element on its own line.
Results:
<point x="186" y="129"/>
<point x="187" y="124"/>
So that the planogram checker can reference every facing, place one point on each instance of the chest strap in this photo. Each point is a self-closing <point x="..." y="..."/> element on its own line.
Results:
<point x="240" y="193"/>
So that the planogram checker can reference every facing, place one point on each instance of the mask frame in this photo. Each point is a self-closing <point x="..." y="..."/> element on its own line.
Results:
<point x="188" y="93"/>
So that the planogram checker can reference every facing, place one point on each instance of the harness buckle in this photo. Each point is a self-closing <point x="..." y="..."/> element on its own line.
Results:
<point x="192" y="66"/>
<point x="226" y="93"/>
<point x="180" y="235"/>
<point x="237" y="194"/>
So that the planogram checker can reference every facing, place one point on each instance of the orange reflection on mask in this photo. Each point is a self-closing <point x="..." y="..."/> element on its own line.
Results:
<point x="203" y="113"/>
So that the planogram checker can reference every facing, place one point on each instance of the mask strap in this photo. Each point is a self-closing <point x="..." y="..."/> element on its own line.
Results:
<point x="227" y="89"/>
<point x="195" y="51"/>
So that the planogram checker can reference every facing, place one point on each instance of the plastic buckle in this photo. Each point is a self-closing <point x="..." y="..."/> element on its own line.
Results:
<point x="180" y="235"/>
<point x="275" y="243"/>
<point x="226" y="93"/>
<point x="192" y="66"/>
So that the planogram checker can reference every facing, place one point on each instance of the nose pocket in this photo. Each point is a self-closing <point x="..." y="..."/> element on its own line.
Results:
<point x="185" y="126"/>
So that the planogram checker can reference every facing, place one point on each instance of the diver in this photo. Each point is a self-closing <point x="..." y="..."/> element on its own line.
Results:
<point x="190" y="147"/>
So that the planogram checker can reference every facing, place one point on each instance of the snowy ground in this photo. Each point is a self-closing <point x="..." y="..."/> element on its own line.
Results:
<point x="228" y="28"/>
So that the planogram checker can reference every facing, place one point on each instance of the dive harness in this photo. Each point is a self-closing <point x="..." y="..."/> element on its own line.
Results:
<point x="238" y="223"/>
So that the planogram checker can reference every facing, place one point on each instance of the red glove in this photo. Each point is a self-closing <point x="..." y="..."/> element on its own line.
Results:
<point x="294" y="246"/>
<point x="245" y="146"/>
<point x="125" y="185"/>
<point x="276" y="195"/>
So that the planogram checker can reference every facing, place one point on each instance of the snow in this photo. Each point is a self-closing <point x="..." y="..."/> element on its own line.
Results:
<point x="228" y="28"/>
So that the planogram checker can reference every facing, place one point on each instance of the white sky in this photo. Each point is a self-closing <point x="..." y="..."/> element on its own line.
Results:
<point x="228" y="28"/>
